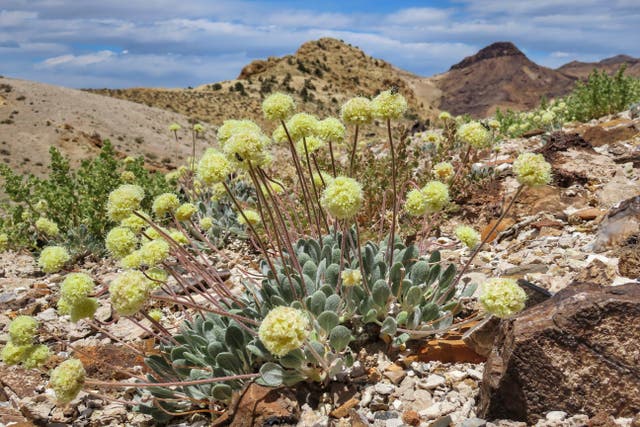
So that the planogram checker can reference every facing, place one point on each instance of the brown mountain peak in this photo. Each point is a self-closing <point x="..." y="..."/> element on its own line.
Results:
<point x="494" y="50"/>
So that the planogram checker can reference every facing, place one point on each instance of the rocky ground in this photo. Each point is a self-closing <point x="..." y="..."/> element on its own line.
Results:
<point x="573" y="230"/>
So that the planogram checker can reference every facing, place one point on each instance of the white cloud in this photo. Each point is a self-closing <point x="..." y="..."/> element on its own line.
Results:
<point x="78" y="60"/>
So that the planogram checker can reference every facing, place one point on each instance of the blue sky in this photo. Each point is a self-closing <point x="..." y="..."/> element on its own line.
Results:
<point x="162" y="43"/>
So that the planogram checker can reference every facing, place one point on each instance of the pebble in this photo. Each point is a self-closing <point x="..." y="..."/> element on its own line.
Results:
<point x="556" y="416"/>
<point x="432" y="381"/>
<point x="473" y="422"/>
<point x="384" y="388"/>
<point x="47" y="315"/>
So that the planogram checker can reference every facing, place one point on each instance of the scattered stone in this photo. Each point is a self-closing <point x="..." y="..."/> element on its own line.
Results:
<point x="556" y="416"/>
<point x="577" y="351"/>
<point x="473" y="422"/>
<point x="411" y="417"/>
<point x="343" y="410"/>
<point x="384" y="388"/>
<point x="395" y="373"/>
<point x="265" y="405"/>
<point x="442" y="422"/>
<point x="432" y="381"/>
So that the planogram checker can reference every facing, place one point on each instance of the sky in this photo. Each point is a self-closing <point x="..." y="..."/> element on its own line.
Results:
<point x="162" y="43"/>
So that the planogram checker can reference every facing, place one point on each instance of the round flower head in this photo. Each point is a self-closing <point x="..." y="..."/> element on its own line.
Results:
<point x="134" y="222"/>
<point x="151" y="233"/>
<point x="83" y="309"/>
<point x="357" y="111"/>
<point x="278" y="106"/>
<point x="41" y="206"/>
<point x="198" y="128"/>
<point x="247" y="146"/>
<point x="444" y="116"/>
<point x="133" y="260"/>
<point x="120" y="242"/>
<point x="302" y="125"/>
<point x="67" y="380"/>
<point x="36" y="356"/>
<point x="47" y="227"/>
<point x="231" y="127"/>
<point x="313" y="144"/>
<point x="53" y="258"/>
<point x="155" y="314"/>
<point x="174" y="127"/>
<point x="186" y="211"/>
<point x="474" y="134"/>
<point x="351" y="277"/>
<point x="502" y="297"/>
<point x="165" y="203"/>
<point x="331" y="129"/>
<point x="22" y="330"/>
<point x="76" y="287"/>
<point x="416" y="203"/>
<point x="279" y="135"/>
<point x="218" y="192"/>
<point x="251" y="216"/>
<point x="342" y="198"/>
<point x="154" y="252"/>
<point x="213" y="167"/>
<point x="389" y="105"/>
<point x="494" y="124"/>
<point x="128" y="176"/>
<point x="4" y="241"/>
<point x="123" y="201"/>
<point x="206" y="223"/>
<point x="436" y="194"/>
<point x="156" y="277"/>
<point x="12" y="354"/>
<point x="178" y="236"/>
<point x="443" y="171"/>
<point x="548" y="117"/>
<point x="432" y="137"/>
<point x="129" y="292"/>
<point x="532" y="170"/>
<point x="468" y="236"/>
<point x="322" y="179"/>
<point x="284" y="329"/>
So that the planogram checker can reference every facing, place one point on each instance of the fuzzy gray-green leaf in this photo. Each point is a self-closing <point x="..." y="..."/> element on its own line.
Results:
<point x="328" y="320"/>
<point x="340" y="337"/>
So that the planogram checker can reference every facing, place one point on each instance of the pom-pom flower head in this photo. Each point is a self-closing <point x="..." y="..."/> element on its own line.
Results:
<point x="247" y="146"/>
<point x="279" y="135"/>
<point x="198" y="128"/>
<point x="213" y="167"/>
<point x="53" y="258"/>
<point x="474" y="134"/>
<point x="123" y="201"/>
<point x="302" y="125"/>
<point x="67" y="380"/>
<point x="443" y="171"/>
<point x="36" y="356"/>
<point x="351" y="277"/>
<point x="250" y="216"/>
<point x="186" y="211"/>
<point x="389" y="105"/>
<point x="47" y="227"/>
<point x="445" y="116"/>
<point x="22" y="330"/>
<point x="129" y="292"/>
<point x="313" y="144"/>
<point x="154" y="252"/>
<point x="278" y="106"/>
<point x="415" y="203"/>
<point x="342" y="197"/>
<point x="206" y="223"/>
<point x="331" y="129"/>
<point x="76" y="287"/>
<point x="165" y="203"/>
<point x="284" y="329"/>
<point x="120" y="242"/>
<point x="502" y="297"/>
<point x="231" y="127"/>
<point x="468" y="236"/>
<point x="174" y="127"/>
<point x="12" y="354"/>
<point x="532" y="170"/>
<point x="357" y="111"/>
<point x="436" y="195"/>
<point x="4" y="241"/>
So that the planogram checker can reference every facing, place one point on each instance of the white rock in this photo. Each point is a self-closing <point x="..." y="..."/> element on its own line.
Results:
<point x="432" y="382"/>
<point x="475" y="374"/>
<point x="431" y="413"/>
<point x="456" y="375"/>
<point x="384" y="388"/>
<point x="556" y="416"/>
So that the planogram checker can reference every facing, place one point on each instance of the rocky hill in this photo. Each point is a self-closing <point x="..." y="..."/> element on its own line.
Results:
<point x="35" y="116"/>
<point x="581" y="70"/>
<point x="499" y="75"/>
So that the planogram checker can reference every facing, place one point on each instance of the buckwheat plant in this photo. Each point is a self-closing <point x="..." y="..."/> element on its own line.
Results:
<point x="318" y="286"/>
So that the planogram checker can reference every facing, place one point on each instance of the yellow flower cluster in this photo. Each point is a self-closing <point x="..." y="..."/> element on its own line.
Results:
<point x="357" y="111"/>
<point x="247" y="146"/>
<point x="474" y="134"/>
<point x="331" y="129"/>
<point x="47" y="227"/>
<point x="445" y="116"/>
<point x="213" y="167"/>
<point x="302" y="125"/>
<point x="20" y="348"/>
<point x="502" y="297"/>
<point x="154" y="252"/>
<point x="313" y="144"/>
<point x="198" y="128"/>
<point x="165" y="203"/>
<point x="127" y="176"/>
<point x="186" y="211"/>
<point x="532" y="170"/>
<point x="123" y="201"/>
<point x="389" y="105"/>
<point x="279" y="135"/>
<point x="53" y="258"/>
<point x="206" y="223"/>
<point x="351" y="277"/>
<point x="67" y="380"/>
<point x="431" y="198"/>
<point x="415" y="203"/>
<point x="174" y="127"/>
<point x="128" y="292"/>
<point x="318" y="179"/>
<point x="120" y="242"/>
<point x="74" y="297"/>
<point x="4" y="241"/>
<point x="22" y="330"/>
<point x="284" y="329"/>
<point x="468" y="236"/>
<point x="278" y="106"/>
<point x="342" y="197"/>
<point x="251" y="216"/>
<point x="231" y="127"/>
<point x="443" y="171"/>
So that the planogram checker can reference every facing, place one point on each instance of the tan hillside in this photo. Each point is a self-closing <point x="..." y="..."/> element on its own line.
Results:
<point x="581" y="70"/>
<point x="35" y="116"/>
<point x="321" y="75"/>
<point x="499" y="75"/>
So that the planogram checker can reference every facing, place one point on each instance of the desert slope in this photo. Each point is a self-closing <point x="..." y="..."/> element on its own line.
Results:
<point x="35" y="116"/>
<point x="581" y="70"/>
